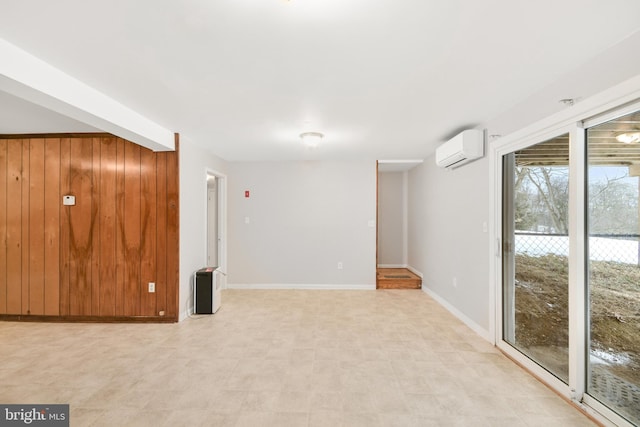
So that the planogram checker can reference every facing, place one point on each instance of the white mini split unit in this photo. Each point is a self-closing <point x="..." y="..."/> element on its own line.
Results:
<point x="466" y="146"/>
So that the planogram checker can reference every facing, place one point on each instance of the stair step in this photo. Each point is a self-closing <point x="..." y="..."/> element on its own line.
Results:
<point x="397" y="278"/>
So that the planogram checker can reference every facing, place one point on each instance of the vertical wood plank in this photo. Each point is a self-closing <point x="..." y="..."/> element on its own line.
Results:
<point x="25" y="225"/>
<point x="36" y="226"/>
<point x="148" y="231"/>
<point x="131" y="229"/>
<point x="4" y="172"/>
<point x="52" y="203"/>
<point x="81" y="227"/>
<point x="120" y="219"/>
<point x="95" y="229"/>
<point x="14" y="227"/>
<point x="173" y="243"/>
<point x="161" y="235"/>
<point x="97" y="257"/>
<point x="65" y="226"/>
<point x="107" y="202"/>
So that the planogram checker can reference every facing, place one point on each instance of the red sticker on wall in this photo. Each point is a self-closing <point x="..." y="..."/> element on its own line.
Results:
<point x="246" y="194"/>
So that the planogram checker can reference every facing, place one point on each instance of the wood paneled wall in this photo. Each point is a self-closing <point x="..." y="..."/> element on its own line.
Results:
<point x="94" y="259"/>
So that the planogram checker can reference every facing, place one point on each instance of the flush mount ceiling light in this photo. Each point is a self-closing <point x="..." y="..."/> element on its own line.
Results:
<point x="311" y="139"/>
<point x="629" y="137"/>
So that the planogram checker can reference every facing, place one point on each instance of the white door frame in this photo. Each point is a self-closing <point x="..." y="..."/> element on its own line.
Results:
<point x="222" y="222"/>
<point x="570" y="119"/>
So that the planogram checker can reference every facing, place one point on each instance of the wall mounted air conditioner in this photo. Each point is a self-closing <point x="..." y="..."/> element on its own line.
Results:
<point x="468" y="145"/>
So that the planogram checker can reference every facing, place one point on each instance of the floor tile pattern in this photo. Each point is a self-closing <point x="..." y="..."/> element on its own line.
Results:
<point x="280" y="358"/>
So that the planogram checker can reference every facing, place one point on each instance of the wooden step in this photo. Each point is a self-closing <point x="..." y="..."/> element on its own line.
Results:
<point x="397" y="278"/>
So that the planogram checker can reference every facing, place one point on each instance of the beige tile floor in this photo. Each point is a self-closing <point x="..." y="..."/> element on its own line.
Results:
<point x="279" y="358"/>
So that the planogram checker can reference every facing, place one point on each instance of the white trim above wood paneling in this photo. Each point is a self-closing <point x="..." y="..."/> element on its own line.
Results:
<point x="29" y="78"/>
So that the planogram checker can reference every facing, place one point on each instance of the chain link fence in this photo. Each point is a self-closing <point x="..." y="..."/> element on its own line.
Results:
<point x="623" y="248"/>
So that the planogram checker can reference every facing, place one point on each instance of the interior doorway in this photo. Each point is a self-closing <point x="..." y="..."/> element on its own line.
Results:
<point x="392" y="225"/>
<point x="212" y="220"/>
<point x="215" y="248"/>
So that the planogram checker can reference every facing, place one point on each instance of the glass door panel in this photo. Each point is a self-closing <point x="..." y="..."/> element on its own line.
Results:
<point x="535" y="253"/>
<point x="613" y="158"/>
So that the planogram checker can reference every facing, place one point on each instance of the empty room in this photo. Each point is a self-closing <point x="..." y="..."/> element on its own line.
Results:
<point x="320" y="213"/>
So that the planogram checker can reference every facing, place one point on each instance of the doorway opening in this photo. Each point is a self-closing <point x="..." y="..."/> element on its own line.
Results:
<point x="392" y="231"/>
<point x="215" y="249"/>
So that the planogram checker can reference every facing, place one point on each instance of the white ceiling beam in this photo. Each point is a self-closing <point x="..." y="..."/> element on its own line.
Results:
<point x="27" y="77"/>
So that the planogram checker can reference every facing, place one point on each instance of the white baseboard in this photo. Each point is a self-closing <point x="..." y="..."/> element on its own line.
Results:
<point x="343" y="287"/>
<point x="416" y="272"/>
<point x="467" y="321"/>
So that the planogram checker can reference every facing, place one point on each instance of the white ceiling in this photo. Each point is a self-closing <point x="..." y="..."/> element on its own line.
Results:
<point x="20" y="116"/>
<point x="382" y="79"/>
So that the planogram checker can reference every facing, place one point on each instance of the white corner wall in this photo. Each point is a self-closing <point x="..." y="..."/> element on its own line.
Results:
<point x="194" y="163"/>
<point x="448" y="215"/>
<point x="391" y="219"/>
<point x="300" y="220"/>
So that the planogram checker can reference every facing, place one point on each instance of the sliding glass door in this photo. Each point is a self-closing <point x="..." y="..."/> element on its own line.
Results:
<point x="570" y="260"/>
<point x="535" y="250"/>
<point x="613" y="156"/>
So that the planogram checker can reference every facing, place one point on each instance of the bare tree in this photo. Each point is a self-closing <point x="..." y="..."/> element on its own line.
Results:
<point x="613" y="205"/>
<point x="552" y="184"/>
<point x="542" y="200"/>
<point x="525" y="214"/>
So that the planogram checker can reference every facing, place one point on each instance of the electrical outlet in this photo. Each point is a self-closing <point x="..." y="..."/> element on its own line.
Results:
<point x="455" y="282"/>
<point x="152" y="287"/>
<point x="340" y="265"/>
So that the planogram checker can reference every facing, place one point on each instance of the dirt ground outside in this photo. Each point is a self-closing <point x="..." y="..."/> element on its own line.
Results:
<point x="541" y="315"/>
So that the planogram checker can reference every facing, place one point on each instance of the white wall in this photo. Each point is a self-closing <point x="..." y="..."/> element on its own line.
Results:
<point x="194" y="163"/>
<point x="304" y="218"/>
<point x="307" y="216"/>
<point x="447" y="209"/>
<point x="391" y="218"/>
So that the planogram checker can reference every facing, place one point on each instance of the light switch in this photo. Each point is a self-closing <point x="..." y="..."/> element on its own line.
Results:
<point x="247" y="220"/>
<point x="69" y="200"/>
